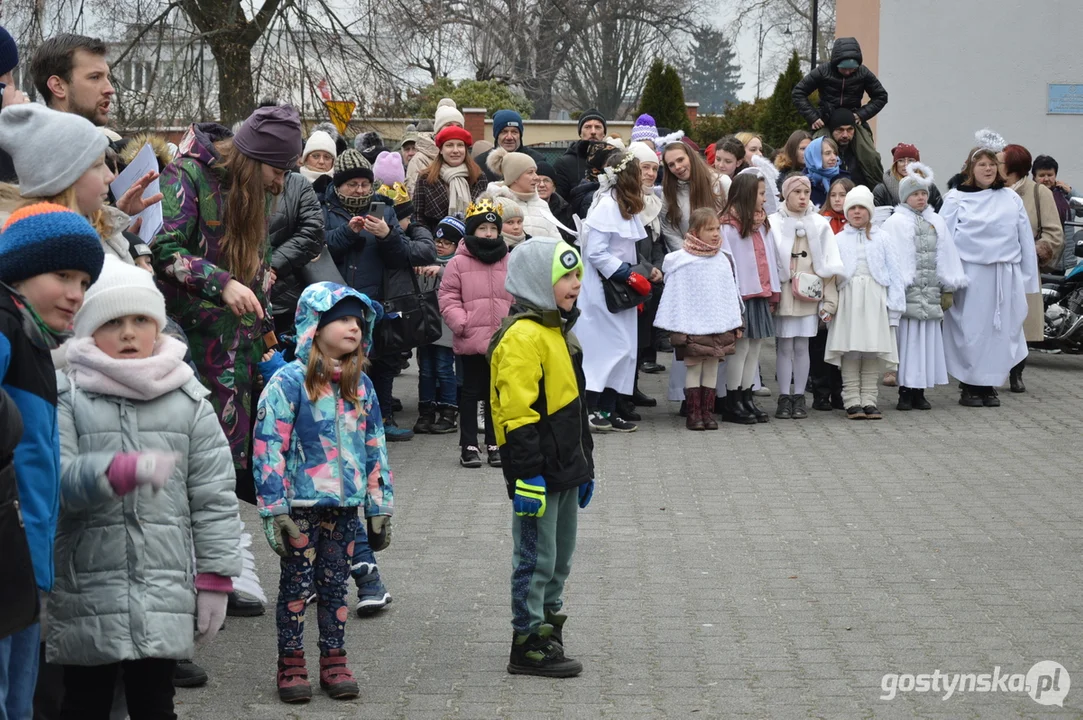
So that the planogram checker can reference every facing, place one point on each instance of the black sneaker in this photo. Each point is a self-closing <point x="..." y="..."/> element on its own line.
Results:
<point x="186" y="674"/>
<point x="855" y="413"/>
<point x="470" y="457"/>
<point x="540" y="654"/>
<point x="492" y="453"/>
<point x="600" y="422"/>
<point x="621" y="425"/>
<point x="652" y="368"/>
<point x="873" y="413"/>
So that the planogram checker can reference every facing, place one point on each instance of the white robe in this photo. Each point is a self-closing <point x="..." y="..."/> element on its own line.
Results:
<point x="983" y="330"/>
<point x="609" y="340"/>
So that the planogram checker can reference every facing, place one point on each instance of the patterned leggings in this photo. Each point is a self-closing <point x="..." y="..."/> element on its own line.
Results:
<point x="324" y="560"/>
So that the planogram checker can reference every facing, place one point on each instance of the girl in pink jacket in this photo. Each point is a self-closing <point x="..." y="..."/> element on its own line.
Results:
<point x="473" y="302"/>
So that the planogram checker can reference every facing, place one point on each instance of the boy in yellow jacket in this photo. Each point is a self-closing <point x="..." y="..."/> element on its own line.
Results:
<point x="540" y="417"/>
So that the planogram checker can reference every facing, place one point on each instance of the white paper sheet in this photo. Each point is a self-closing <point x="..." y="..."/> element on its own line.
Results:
<point x="143" y="163"/>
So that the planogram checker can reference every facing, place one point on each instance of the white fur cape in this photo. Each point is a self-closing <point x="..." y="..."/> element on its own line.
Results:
<point x="881" y="258"/>
<point x="901" y="227"/>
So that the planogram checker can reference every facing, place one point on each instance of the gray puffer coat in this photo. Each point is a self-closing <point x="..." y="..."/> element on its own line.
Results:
<point x="125" y="581"/>
<point x="923" y="294"/>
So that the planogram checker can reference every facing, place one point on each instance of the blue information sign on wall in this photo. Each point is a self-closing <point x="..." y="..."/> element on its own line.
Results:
<point x="1065" y="99"/>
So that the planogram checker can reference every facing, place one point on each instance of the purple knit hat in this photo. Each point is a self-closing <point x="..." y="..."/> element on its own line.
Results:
<point x="388" y="168"/>
<point x="644" y="129"/>
<point x="271" y="135"/>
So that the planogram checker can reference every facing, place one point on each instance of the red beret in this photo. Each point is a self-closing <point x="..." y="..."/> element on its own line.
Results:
<point x="454" y="133"/>
<point x="902" y="150"/>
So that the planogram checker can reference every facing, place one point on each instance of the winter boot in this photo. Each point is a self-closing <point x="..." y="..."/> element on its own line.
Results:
<point x="798" y="412"/>
<point x="707" y="405"/>
<point x="187" y="674"/>
<point x="293" y="684"/>
<point x="906" y="399"/>
<point x="393" y="433"/>
<point x="335" y="676"/>
<point x="372" y="596"/>
<point x="969" y="395"/>
<point x="694" y="421"/>
<point x="540" y="654"/>
<point x="1015" y="377"/>
<point x="735" y="412"/>
<point x="919" y="401"/>
<point x="448" y="422"/>
<point x="626" y="409"/>
<point x="427" y="417"/>
<point x="750" y="403"/>
<point x="989" y="397"/>
<point x="821" y="401"/>
<point x="785" y="407"/>
<point x="557" y="621"/>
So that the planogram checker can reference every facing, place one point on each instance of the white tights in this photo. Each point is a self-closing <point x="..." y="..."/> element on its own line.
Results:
<point x="792" y="359"/>
<point x="741" y="366"/>
<point x="702" y="372"/>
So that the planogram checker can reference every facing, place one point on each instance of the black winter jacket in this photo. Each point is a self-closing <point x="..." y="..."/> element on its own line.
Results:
<point x="420" y="250"/>
<point x="360" y="257"/>
<point x="571" y="167"/>
<point x="295" y="232"/>
<point x="837" y="91"/>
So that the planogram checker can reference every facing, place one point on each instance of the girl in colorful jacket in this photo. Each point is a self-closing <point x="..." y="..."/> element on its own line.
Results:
<point x="319" y="456"/>
<point x="473" y="302"/>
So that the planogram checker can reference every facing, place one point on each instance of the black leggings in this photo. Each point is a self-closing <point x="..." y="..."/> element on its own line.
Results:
<point x="148" y="688"/>
<point x="475" y="389"/>
<point x="605" y="401"/>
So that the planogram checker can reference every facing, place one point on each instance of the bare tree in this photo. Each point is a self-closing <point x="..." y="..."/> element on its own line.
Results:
<point x="796" y="16"/>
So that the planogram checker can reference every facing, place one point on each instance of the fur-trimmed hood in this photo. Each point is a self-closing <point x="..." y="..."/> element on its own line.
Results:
<point x="162" y="152"/>
<point x="902" y="227"/>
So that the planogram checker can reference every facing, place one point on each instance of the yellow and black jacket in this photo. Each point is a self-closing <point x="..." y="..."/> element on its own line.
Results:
<point x="538" y="409"/>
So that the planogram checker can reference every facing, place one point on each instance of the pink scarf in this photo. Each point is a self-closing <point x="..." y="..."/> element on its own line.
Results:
<point x="143" y="379"/>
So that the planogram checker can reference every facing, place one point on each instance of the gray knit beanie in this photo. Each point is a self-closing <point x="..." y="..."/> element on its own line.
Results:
<point x="50" y="149"/>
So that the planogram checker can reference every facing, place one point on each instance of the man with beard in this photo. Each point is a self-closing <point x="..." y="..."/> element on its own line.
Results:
<point x="861" y="166"/>
<point x="72" y="76"/>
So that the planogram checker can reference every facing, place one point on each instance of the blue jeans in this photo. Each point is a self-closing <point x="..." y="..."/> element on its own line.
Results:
<point x="19" y="673"/>
<point x="436" y="365"/>
<point x="363" y="563"/>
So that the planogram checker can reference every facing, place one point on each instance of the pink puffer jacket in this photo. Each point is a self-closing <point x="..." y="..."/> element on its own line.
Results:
<point x="473" y="300"/>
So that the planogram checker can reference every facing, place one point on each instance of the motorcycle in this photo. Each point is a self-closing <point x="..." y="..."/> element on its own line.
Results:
<point x="1062" y="298"/>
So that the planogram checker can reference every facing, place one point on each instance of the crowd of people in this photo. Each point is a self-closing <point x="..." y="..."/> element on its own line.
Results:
<point x="250" y="351"/>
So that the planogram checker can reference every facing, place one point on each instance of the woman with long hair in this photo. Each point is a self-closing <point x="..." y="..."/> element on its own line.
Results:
<point x="452" y="182"/>
<point x="213" y="261"/>
<point x="983" y="329"/>
<point x="610" y="233"/>
<point x="792" y="156"/>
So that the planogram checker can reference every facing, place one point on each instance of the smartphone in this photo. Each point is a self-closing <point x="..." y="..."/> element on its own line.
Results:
<point x="376" y="209"/>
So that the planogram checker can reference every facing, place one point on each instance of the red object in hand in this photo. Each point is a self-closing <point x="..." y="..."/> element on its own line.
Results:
<point x="639" y="283"/>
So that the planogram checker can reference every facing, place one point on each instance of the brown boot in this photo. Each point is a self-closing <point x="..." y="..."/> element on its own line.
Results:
<point x="709" y="423"/>
<point x="694" y="398"/>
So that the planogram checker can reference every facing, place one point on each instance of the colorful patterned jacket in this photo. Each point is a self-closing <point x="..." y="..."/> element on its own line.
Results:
<point x="328" y="453"/>
<point x="188" y="265"/>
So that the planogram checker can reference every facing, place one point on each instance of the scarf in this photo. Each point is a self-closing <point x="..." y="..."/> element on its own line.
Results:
<point x="143" y="379"/>
<point x="814" y="165"/>
<point x="355" y="205"/>
<point x="652" y="208"/>
<point x="694" y="245"/>
<point x="314" y="175"/>
<point x="487" y="250"/>
<point x="458" y="187"/>
<point x="35" y="328"/>
<point x="513" y="240"/>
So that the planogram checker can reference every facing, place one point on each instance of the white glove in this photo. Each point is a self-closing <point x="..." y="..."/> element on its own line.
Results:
<point x="154" y="468"/>
<point x="210" y="613"/>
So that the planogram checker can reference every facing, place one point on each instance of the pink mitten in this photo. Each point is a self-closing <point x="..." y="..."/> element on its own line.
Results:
<point x="131" y="469"/>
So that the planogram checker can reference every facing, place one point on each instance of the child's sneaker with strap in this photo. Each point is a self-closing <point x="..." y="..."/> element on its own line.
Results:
<point x="293" y="685"/>
<point x="335" y="676"/>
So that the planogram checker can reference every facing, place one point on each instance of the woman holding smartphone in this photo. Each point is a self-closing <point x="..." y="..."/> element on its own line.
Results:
<point x="366" y="242"/>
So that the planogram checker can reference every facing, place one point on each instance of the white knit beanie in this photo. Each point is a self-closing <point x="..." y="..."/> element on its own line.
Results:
<point x="319" y="140"/>
<point x="447" y="112"/>
<point x="121" y="290"/>
<point x="643" y="152"/>
<point x="859" y="196"/>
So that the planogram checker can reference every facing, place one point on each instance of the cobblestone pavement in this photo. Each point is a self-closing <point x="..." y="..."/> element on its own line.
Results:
<point x="771" y="571"/>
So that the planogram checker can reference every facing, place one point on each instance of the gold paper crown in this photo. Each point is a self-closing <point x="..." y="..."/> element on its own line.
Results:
<point x="483" y="206"/>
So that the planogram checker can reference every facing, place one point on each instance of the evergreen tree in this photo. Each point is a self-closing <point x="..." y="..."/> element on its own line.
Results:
<point x="712" y="74"/>
<point x="663" y="98"/>
<point x="781" y="117"/>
